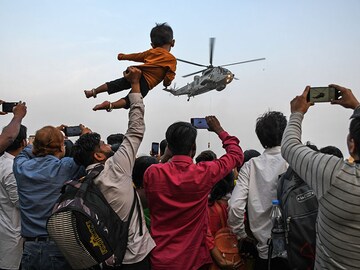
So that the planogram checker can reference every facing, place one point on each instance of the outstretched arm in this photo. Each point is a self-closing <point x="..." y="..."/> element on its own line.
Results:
<point x="136" y="57"/>
<point x="11" y="131"/>
<point x="124" y="157"/>
<point x="317" y="169"/>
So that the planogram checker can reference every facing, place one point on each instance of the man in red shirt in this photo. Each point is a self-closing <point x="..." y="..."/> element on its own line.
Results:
<point x="177" y="193"/>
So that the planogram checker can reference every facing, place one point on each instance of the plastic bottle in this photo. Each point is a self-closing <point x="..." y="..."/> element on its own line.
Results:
<point x="278" y="231"/>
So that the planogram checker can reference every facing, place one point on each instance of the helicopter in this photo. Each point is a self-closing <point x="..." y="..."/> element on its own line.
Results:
<point x="211" y="77"/>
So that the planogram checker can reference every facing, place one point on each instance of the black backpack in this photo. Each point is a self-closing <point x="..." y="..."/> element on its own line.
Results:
<point x="86" y="228"/>
<point x="299" y="207"/>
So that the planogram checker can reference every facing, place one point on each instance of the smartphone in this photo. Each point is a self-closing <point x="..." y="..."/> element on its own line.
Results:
<point x="322" y="94"/>
<point x="8" y="106"/>
<point x="199" y="123"/>
<point x="154" y="149"/>
<point x="72" y="131"/>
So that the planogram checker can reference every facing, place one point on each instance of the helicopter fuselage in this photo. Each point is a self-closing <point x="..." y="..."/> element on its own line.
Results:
<point x="211" y="78"/>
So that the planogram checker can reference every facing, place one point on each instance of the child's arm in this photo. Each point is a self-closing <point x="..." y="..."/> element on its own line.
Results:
<point x="136" y="57"/>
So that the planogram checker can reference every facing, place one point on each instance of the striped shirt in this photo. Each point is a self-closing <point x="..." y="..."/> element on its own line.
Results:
<point x="337" y="185"/>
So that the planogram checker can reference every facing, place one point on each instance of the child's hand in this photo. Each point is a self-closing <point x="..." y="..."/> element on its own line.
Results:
<point x="89" y="93"/>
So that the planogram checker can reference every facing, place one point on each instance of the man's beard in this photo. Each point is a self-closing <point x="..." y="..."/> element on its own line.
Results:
<point x="109" y="154"/>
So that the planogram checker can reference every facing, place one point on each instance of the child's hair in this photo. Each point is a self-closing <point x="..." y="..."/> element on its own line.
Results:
<point x="161" y="34"/>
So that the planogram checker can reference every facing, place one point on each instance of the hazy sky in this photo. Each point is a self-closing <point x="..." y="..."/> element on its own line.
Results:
<point x="50" y="51"/>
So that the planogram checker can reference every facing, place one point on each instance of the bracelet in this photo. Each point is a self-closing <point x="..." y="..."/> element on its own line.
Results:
<point x="111" y="107"/>
<point x="93" y="91"/>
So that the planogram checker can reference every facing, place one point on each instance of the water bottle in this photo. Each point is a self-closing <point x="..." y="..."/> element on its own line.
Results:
<point x="278" y="231"/>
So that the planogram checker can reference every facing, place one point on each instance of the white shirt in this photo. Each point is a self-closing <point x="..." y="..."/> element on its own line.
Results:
<point x="256" y="186"/>
<point x="10" y="238"/>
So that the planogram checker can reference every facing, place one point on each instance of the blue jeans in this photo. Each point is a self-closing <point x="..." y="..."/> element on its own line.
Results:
<point x="43" y="256"/>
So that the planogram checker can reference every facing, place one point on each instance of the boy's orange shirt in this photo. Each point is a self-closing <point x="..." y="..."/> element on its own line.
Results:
<point x="159" y="64"/>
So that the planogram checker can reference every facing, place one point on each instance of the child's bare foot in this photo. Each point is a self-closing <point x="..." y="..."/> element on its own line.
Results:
<point x="103" y="106"/>
<point x="90" y="93"/>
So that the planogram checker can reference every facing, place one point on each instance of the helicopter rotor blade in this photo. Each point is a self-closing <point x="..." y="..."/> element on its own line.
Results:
<point x="243" y="62"/>
<point x="194" y="73"/>
<point x="212" y="43"/>
<point x="192" y="63"/>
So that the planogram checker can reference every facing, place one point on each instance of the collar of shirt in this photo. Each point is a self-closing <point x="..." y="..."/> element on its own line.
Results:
<point x="273" y="150"/>
<point x="90" y="167"/>
<point x="182" y="158"/>
<point x="8" y="155"/>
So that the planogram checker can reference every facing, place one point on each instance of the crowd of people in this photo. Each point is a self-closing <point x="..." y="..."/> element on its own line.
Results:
<point x="183" y="203"/>
<point x="178" y="196"/>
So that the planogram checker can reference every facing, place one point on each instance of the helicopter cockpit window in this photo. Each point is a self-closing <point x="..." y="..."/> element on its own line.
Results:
<point x="207" y="71"/>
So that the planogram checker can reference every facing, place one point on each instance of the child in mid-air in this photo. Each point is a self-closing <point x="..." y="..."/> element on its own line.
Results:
<point x="159" y="65"/>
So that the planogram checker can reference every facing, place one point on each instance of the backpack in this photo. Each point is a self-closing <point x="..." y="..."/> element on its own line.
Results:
<point x="226" y="241"/>
<point x="299" y="207"/>
<point x="85" y="227"/>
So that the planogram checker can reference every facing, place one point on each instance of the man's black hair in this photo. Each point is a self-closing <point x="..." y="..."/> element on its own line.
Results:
<point x="181" y="137"/>
<point x="140" y="166"/>
<point x="163" y="145"/>
<point x="354" y="132"/>
<point x="84" y="148"/>
<point x="161" y="34"/>
<point x="248" y="154"/>
<point x="270" y="128"/>
<point x="115" y="138"/>
<point x="17" y="143"/>
<point x="207" y="155"/>
<point x="221" y="188"/>
<point x="332" y="150"/>
<point x="68" y="147"/>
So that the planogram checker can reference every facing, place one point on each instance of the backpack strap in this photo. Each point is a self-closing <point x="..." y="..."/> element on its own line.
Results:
<point x="90" y="177"/>
<point x="270" y="251"/>
<point x="221" y="214"/>
<point x="282" y="178"/>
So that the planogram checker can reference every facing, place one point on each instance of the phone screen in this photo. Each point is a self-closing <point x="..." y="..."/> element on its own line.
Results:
<point x="199" y="123"/>
<point x="155" y="148"/>
<point x="72" y="131"/>
<point x="8" y="106"/>
<point x="322" y="94"/>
